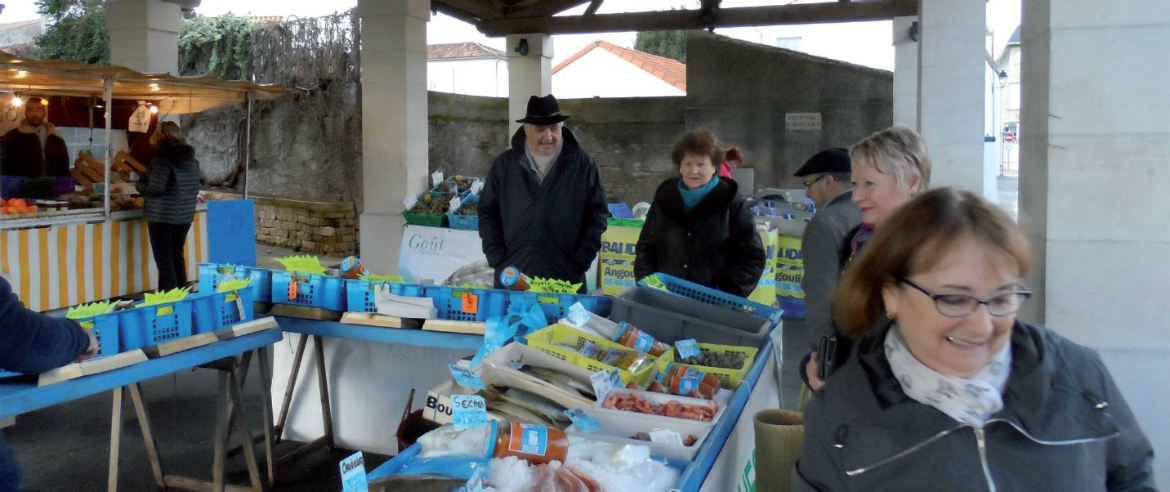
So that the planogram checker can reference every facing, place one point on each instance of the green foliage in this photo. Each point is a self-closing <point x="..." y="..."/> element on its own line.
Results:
<point x="224" y="41"/>
<point x="76" y="31"/>
<point x="667" y="44"/>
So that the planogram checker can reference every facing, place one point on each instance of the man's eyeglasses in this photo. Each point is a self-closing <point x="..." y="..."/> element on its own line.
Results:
<point x="809" y="184"/>
<point x="962" y="305"/>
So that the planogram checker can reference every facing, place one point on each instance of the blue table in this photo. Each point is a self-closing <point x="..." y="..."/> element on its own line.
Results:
<point x="694" y="473"/>
<point x="21" y="396"/>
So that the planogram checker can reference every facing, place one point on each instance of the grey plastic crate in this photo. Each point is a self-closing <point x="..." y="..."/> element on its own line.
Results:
<point x="671" y="318"/>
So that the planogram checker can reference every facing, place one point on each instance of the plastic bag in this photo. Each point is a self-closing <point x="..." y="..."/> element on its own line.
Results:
<point x="460" y="467"/>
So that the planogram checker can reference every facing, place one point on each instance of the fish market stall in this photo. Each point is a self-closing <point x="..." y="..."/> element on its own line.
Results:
<point x="66" y="240"/>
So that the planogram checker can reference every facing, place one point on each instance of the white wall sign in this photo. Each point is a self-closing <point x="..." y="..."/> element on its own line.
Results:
<point x="802" y="121"/>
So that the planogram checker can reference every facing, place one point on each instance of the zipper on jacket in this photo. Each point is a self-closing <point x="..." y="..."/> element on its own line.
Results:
<point x="912" y="449"/>
<point x="1069" y="442"/>
<point x="981" y="440"/>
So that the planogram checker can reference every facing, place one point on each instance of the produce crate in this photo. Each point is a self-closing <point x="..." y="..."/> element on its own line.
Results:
<point x="457" y="304"/>
<point x="320" y="291"/>
<point x="556" y="306"/>
<point x="729" y="377"/>
<point x="548" y="339"/>
<point x="671" y="318"/>
<point x="707" y="295"/>
<point x="463" y="222"/>
<point x="211" y="274"/>
<point x="359" y="294"/>
<point x="221" y="310"/>
<point x="137" y="328"/>
<point x="445" y="186"/>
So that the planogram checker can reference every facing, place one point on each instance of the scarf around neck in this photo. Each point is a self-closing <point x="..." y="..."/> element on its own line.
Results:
<point x="691" y="198"/>
<point x="970" y="401"/>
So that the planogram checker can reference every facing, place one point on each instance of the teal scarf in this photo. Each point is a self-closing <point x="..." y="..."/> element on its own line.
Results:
<point x="691" y="198"/>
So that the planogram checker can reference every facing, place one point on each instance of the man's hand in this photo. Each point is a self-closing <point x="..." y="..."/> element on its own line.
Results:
<point x="92" y="349"/>
<point x="811" y="370"/>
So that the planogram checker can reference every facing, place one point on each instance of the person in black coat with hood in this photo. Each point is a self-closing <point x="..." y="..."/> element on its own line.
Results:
<point x="543" y="209"/>
<point x="699" y="227"/>
<point x="171" y="188"/>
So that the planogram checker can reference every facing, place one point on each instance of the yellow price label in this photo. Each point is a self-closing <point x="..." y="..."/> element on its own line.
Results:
<point x="230" y="297"/>
<point x="165" y="310"/>
<point x="87" y="325"/>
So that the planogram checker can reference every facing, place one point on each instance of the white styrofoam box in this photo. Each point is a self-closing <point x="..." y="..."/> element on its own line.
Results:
<point x="438" y="404"/>
<point x="650" y="420"/>
<point x="617" y="428"/>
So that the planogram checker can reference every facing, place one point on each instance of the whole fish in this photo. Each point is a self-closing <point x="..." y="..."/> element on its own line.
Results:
<point x="539" y="405"/>
<point x="560" y="379"/>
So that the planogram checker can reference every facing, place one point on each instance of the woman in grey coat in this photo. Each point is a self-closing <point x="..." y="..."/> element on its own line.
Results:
<point x="952" y="392"/>
<point x="171" y="188"/>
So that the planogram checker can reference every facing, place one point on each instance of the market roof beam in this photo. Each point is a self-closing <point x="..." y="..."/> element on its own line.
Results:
<point x="477" y="9"/>
<point x="811" y="13"/>
<point x="544" y="8"/>
<point x="593" y="6"/>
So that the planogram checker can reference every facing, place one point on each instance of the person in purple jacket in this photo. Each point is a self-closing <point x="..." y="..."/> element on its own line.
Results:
<point x="32" y="343"/>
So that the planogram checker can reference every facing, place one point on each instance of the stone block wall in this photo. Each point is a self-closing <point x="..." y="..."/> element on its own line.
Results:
<point x="309" y="227"/>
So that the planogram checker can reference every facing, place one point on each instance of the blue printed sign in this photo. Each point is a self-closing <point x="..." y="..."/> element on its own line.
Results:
<point x="353" y="474"/>
<point x="468" y="411"/>
<point x="687" y="348"/>
<point x="584" y="422"/>
<point x="464" y="377"/>
<point x="231" y="232"/>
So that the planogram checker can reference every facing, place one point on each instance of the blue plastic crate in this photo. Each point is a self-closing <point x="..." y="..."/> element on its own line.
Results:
<point x="359" y="294"/>
<point x="320" y="291"/>
<point x="220" y="310"/>
<point x="556" y="306"/>
<point x="211" y="274"/>
<point x="449" y="301"/>
<point x="463" y="222"/>
<point x="142" y="327"/>
<point x="106" y="334"/>
<point x="707" y="295"/>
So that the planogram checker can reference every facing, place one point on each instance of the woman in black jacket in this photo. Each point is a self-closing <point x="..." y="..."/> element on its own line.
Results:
<point x="171" y="188"/>
<point x="699" y="228"/>
<point x="952" y="392"/>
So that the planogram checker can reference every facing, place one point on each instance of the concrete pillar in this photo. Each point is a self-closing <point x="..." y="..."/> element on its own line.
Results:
<point x="951" y="90"/>
<point x="528" y="75"/>
<point x="144" y="35"/>
<point x="1095" y="133"/>
<point x="905" y="74"/>
<point x="394" y="122"/>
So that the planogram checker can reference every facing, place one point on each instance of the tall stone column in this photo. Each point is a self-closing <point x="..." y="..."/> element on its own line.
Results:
<point x="1095" y="134"/>
<point x="905" y="74"/>
<point x="394" y="122"/>
<point x="144" y="34"/>
<point x="528" y="74"/>
<point x="951" y="91"/>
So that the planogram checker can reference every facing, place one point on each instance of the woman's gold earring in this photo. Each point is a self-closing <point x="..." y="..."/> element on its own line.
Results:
<point x="890" y="316"/>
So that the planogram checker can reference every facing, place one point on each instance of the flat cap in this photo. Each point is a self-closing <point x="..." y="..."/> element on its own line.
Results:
<point x="834" y="160"/>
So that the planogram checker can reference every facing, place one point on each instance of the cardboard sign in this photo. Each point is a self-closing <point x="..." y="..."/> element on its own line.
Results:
<point x="666" y="436"/>
<point x="584" y="422"/>
<point x="353" y="473"/>
<point x="464" y="377"/>
<point x="468" y="411"/>
<point x="470" y="303"/>
<point x="231" y="232"/>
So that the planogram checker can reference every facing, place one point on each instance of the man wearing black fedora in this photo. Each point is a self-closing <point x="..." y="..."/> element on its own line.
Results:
<point x="542" y="209"/>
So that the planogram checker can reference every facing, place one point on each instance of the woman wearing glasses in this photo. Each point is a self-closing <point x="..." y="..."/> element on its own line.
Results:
<point x="951" y="392"/>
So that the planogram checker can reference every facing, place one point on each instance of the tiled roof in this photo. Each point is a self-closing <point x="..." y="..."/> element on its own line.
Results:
<point x="462" y="50"/>
<point x="671" y="71"/>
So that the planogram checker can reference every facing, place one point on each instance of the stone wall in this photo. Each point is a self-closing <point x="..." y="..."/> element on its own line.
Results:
<point x="740" y="91"/>
<point x="309" y="227"/>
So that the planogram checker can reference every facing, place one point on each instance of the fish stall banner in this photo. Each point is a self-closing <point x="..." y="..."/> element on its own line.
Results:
<point x="618" y="249"/>
<point x="766" y="292"/>
<point x="443" y="256"/>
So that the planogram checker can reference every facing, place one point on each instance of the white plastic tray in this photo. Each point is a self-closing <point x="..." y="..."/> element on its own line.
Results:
<point x="496" y="370"/>
<point x="651" y="421"/>
<point x="617" y="427"/>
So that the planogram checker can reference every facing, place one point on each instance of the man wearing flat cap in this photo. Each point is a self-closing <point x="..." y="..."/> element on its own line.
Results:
<point x="542" y="209"/>
<point x="825" y="245"/>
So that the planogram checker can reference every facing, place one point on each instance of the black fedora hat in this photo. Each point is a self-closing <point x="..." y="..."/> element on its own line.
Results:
<point x="543" y="111"/>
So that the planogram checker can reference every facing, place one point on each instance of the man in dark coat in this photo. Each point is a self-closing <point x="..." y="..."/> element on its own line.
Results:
<point x="543" y="209"/>
<point x="34" y="149"/>
<point x="31" y="343"/>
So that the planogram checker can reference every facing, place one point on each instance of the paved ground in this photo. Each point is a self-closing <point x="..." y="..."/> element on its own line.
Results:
<point x="1009" y="194"/>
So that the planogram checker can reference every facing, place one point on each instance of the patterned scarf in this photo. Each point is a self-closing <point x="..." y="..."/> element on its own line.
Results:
<point x="968" y="400"/>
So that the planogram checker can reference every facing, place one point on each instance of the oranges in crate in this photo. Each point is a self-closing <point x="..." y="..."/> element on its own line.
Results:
<point x="16" y="206"/>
